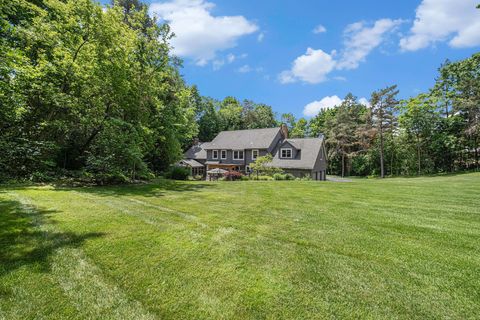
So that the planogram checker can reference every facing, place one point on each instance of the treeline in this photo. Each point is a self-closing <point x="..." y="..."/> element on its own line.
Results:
<point x="434" y="132"/>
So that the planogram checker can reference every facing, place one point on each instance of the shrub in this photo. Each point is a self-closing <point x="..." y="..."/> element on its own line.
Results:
<point x="279" y="176"/>
<point x="245" y="178"/>
<point x="232" y="175"/>
<point x="262" y="178"/>
<point x="177" y="173"/>
<point x="286" y="176"/>
<point x="289" y="176"/>
<point x="39" y="176"/>
<point x="306" y="177"/>
<point x="110" y="178"/>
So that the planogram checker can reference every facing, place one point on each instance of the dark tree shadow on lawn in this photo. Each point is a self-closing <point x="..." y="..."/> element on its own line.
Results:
<point x="155" y="188"/>
<point x="23" y="243"/>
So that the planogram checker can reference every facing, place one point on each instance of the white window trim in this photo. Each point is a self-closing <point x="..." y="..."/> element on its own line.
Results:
<point x="257" y="152"/>
<point x="221" y="154"/>
<point x="213" y="154"/>
<point x="281" y="153"/>
<point x="243" y="155"/>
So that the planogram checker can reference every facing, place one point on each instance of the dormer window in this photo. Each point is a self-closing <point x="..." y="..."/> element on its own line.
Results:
<point x="214" y="154"/>
<point x="286" y="153"/>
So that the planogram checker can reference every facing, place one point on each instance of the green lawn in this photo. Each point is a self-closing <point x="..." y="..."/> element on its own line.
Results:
<point x="395" y="248"/>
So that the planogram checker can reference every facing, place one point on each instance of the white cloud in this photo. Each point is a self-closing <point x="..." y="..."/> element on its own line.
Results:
<point x="361" y="39"/>
<point x="260" y="37"/>
<point x="319" y="29"/>
<point x="230" y="57"/>
<point x="244" y="69"/>
<point x="313" y="108"/>
<point x="364" y="101"/>
<point x="199" y="34"/>
<point x="219" y="63"/>
<point x="312" y="67"/>
<point x="455" y="21"/>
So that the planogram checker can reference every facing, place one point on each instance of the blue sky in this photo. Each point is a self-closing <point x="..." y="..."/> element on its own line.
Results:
<point x="301" y="56"/>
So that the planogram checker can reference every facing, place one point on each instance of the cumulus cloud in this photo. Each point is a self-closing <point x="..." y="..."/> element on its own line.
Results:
<point x="361" y="39"/>
<point x="313" y="108"/>
<point x="312" y="67"/>
<point x="364" y="101"/>
<point x="319" y="29"/>
<point x="199" y="34"/>
<point x="455" y="21"/>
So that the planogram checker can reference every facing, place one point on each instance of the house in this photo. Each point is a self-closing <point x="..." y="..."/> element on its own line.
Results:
<point x="236" y="150"/>
<point x="194" y="159"/>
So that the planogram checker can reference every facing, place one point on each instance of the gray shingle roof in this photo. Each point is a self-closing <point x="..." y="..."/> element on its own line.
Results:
<point x="196" y="151"/>
<point x="244" y="139"/>
<point x="310" y="148"/>
<point x="192" y="163"/>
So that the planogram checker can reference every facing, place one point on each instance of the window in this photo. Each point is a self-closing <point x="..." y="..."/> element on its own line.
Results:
<point x="215" y="154"/>
<point x="247" y="169"/>
<point x="237" y="154"/>
<point x="254" y="154"/>
<point x="286" y="153"/>
<point x="223" y="154"/>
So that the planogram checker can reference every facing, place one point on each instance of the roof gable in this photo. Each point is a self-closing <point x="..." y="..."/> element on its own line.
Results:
<point x="311" y="148"/>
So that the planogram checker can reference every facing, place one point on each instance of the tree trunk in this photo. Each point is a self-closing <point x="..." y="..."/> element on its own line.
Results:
<point x="382" y="169"/>
<point x="475" y="146"/>
<point x="418" y="157"/>
<point x="392" y="158"/>
<point x="343" y="164"/>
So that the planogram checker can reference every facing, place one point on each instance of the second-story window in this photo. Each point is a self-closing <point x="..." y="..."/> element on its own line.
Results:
<point x="223" y="154"/>
<point x="286" y="153"/>
<point x="254" y="154"/>
<point x="215" y="154"/>
<point x="237" y="154"/>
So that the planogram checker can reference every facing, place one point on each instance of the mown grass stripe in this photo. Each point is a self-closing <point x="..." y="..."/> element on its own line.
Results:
<point x="83" y="282"/>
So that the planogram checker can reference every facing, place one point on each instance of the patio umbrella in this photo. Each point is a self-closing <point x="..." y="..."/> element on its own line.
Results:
<point x="216" y="171"/>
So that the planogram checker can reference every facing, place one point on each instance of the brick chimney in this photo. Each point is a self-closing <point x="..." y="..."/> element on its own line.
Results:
<point x="284" y="129"/>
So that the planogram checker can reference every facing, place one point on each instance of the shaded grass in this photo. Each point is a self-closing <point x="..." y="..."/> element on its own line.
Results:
<point x="395" y="248"/>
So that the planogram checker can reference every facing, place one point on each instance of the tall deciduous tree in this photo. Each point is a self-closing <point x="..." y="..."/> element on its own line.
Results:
<point x="419" y="119"/>
<point x="300" y="129"/>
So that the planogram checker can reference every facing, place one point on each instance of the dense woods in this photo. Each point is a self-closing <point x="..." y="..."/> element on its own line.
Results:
<point x="95" y="93"/>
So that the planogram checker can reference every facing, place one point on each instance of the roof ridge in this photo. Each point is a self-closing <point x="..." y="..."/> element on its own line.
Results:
<point x="250" y="129"/>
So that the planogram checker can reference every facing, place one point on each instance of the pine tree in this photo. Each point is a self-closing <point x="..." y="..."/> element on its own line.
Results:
<point x="383" y="107"/>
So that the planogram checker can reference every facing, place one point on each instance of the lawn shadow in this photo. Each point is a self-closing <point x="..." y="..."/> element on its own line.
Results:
<point x="155" y="188"/>
<point x="24" y="243"/>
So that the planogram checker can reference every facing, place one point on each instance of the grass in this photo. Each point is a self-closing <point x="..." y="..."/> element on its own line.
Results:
<point x="395" y="248"/>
